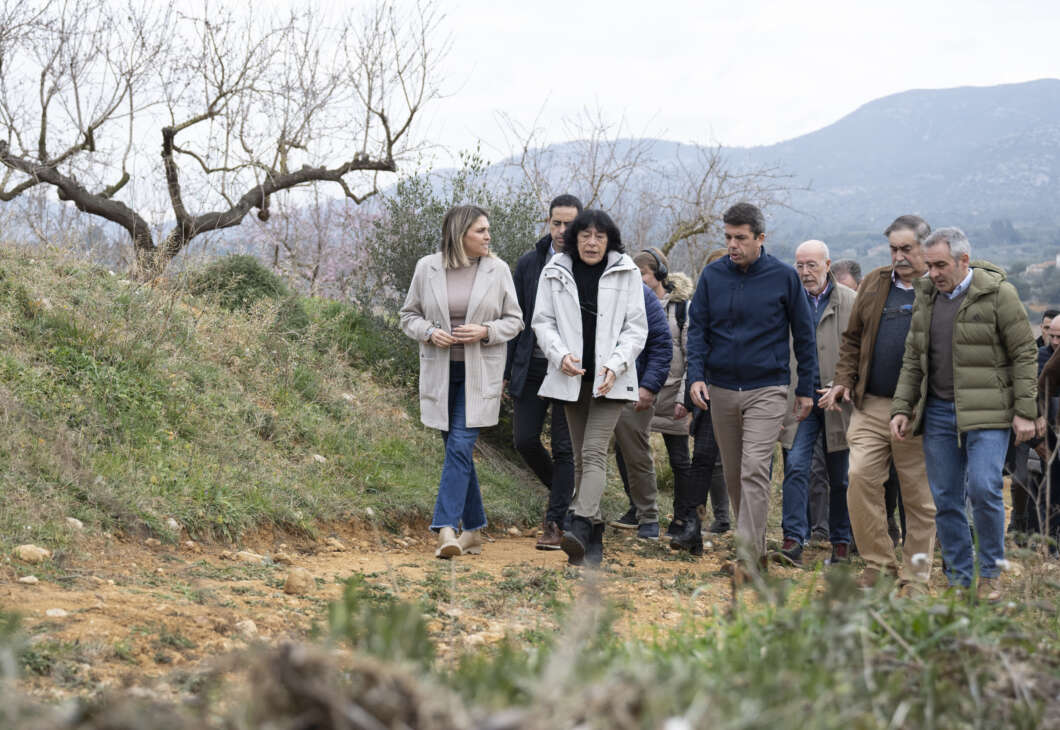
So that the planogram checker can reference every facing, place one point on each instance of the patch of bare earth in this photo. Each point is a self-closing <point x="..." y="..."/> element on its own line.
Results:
<point x="121" y="613"/>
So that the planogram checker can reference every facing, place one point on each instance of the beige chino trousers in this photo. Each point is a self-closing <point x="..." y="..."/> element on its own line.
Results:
<point x="633" y="438"/>
<point x="872" y="448"/>
<point x="592" y="423"/>
<point x="747" y="425"/>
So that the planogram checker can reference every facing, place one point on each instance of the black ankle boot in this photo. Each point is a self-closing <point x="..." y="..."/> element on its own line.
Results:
<point x="576" y="539"/>
<point x="594" y="554"/>
<point x="689" y="537"/>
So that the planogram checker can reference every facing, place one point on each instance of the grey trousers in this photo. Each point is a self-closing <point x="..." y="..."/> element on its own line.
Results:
<point x="633" y="438"/>
<point x="591" y="422"/>
<point x="747" y="425"/>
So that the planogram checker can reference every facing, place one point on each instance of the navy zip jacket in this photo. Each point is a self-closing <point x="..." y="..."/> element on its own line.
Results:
<point x="521" y="348"/>
<point x="739" y="323"/>
<point x="653" y="362"/>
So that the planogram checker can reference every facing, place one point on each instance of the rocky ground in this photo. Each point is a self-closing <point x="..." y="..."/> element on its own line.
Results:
<point x="117" y="612"/>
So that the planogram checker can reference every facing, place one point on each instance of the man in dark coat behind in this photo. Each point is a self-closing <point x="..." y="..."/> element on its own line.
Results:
<point x="524" y="371"/>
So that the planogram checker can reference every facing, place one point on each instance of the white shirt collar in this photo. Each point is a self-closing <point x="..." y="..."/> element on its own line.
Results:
<point x="962" y="287"/>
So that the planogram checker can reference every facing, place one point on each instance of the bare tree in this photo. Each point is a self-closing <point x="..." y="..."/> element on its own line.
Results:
<point x="319" y="243"/>
<point x="601" y="162"/>
<point x="671" y="200"/>
<point x="243" y="106"/>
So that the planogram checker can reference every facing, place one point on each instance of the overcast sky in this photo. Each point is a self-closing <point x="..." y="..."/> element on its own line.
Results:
<point x="739" y="73"/>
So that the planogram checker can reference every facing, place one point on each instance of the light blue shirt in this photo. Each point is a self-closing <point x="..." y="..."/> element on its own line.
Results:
<point x="960" y="288"/>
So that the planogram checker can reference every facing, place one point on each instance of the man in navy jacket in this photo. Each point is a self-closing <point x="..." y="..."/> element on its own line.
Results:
<point x="524" y="371"/>
<point x="633" y="430"/>
<point x="742" y="313"/>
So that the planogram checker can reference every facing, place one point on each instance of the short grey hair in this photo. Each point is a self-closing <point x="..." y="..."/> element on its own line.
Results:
<point x="914" y="223"/>
<point x="952" y="237"/>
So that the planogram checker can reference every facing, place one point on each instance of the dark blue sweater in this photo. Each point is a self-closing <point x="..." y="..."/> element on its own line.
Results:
<point x="653" y="362"/>
<point x="739" y="322"/>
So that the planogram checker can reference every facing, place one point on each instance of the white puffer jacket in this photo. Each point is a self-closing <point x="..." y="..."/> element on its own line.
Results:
<point x="621" y="327"/>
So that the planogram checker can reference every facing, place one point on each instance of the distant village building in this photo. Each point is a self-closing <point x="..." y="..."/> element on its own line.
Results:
<point x="1041" y="268"/>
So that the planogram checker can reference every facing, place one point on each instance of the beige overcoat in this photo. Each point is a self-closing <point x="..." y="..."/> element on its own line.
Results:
<point x="493" y="304"/>
<point x="834" y="320"/>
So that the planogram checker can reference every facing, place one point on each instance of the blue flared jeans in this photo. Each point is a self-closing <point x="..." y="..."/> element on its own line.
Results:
<point x="459" y="501"/>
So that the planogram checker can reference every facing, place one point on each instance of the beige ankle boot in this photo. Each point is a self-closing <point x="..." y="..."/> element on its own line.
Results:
<point x="448" y="547"/>
<point x="471" y="541"/>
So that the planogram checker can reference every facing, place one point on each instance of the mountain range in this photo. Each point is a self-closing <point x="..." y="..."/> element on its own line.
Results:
<point x="986" y="159"/>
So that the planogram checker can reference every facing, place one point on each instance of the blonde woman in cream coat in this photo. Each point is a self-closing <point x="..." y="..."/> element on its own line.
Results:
<point x="462" y="309"/>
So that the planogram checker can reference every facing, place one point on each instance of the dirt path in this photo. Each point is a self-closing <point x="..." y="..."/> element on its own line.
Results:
<point x="118" y="613"/>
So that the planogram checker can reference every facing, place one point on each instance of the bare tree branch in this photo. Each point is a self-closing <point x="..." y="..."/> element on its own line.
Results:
<point x="259" y="104"/>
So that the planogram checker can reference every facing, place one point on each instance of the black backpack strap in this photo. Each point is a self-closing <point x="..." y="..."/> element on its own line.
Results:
<point x="681" y="313"/>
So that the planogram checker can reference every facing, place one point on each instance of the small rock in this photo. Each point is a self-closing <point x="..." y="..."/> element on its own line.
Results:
<point x="159" y="571"/>
<point x="29" y="580"/>
<point x="225" y="555"/>
<point x="152" y="542"/>
<point x="75" y="523"/>
<point x="173" y="525"/>
<point x="96" y="579"/>
<point x="299" y="582"/>
<point x="193" y="546"/>
<point x="247" y="629"/>
<point x="369" y="512"/>
<point x="474" y="640"/>
<point x="282" y="559"/>
<point x="348" y="397"/>
<point x="318" y="458"/>
<point x="56" y="613"/>
<point x="245" y="556"/>
<point x="335" y="545"/>
<point x="32" y="554"/>
<point x="515" y="532"/>
<point x="282" y="546"/>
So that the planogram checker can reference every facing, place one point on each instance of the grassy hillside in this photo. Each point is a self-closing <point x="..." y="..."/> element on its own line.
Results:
<point x="124" y="406"/>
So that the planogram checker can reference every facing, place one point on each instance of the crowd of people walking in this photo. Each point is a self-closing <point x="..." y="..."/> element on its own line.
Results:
<point x="911" y="390"/>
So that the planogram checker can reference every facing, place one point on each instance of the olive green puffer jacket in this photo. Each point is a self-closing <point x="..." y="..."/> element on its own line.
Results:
<point x="994" y="355"/>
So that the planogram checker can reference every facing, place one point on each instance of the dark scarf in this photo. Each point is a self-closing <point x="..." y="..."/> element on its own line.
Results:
<point x="587" y="278"/>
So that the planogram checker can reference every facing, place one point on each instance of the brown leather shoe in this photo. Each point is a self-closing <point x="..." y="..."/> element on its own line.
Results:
<point x="550" y="537"/>
<point x="989" y="590"/>
<point x="871" y="576"/>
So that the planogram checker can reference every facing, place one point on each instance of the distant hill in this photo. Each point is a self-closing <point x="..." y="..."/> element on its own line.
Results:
<point x="967" y="156"/>
<point x="986" y="159"/>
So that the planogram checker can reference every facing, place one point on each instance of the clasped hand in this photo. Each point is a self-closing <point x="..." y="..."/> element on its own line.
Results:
<point x="464" y="334"/>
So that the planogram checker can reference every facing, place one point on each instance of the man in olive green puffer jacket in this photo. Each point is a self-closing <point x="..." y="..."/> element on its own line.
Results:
<point x="968" y="376"/>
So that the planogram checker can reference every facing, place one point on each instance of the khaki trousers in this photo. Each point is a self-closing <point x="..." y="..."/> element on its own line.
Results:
<point x="872" y="448"/>
<point x="591" y="422"/>
<point x="633" y="438"/>
<point x="747" y="425"/>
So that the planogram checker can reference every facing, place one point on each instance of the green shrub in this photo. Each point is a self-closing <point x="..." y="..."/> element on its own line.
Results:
<point x="237" y="282"/>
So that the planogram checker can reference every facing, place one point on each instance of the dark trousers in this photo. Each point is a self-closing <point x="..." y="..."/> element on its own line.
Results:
<point x="819" y="492"/>
<point x="892" y="496"/>
<point x="701" y="481"/>
<point x="556" y="469"/>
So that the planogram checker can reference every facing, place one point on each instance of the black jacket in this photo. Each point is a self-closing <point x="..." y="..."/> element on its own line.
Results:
<point x="521" y="349"/>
